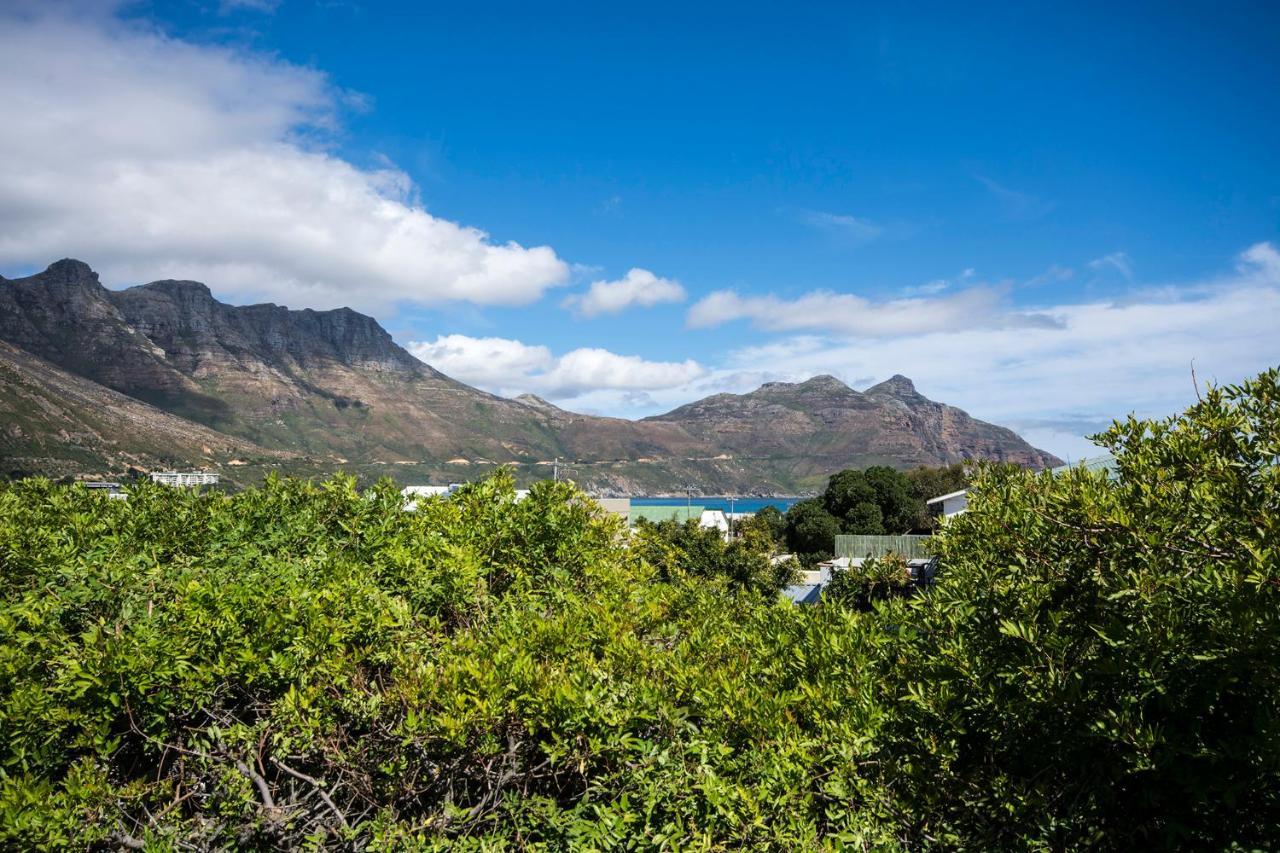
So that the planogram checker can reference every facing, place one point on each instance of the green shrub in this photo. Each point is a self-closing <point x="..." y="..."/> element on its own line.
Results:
<point x="876" y="579"/>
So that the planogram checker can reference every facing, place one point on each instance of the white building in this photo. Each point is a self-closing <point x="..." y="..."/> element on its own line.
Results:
<point x="715" y="519"/>
<point x="184" y="478"/>
<point x="952" y="504"/>
<point x="413" y="494"/>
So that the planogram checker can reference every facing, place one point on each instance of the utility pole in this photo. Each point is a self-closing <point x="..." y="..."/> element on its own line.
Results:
<point x="555" y="470"/>
<point x="688" y="492"/>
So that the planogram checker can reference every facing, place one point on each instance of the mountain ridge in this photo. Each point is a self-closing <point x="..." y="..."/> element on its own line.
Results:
<point x="333" y="388"/>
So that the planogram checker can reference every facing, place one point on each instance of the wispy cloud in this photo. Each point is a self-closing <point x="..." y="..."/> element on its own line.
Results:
<point x="856" y="316"/>
<point x="1118" y="261"/>
<point x="1056" y="382"/>
<point x="1016" y="204"/>
<point x="841" y="226"/>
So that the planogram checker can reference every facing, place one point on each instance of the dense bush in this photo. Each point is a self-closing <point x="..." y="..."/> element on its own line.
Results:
<point x="875" y="579"/>
<point x="309" y="665"/>
<point x="687" y="550"/>
<point x="1100" y="664"/>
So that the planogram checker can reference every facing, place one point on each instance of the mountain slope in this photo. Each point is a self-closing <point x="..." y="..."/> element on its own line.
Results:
<point x="55" y="423"/>
<point x="332" y="388"/>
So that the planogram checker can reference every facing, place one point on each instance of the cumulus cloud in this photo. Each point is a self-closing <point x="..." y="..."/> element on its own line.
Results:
<point x="152" y="157"/>
<point x="849" y="314"/>
<point x="510" y="367"/>
<point x="639" y="288"/>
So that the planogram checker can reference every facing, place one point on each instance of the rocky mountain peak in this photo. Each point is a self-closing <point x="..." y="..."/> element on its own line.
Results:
<point x="70" y="270"/>
<point x="895" y="386"/>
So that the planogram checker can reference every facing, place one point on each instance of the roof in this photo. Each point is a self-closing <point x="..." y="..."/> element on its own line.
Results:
<point x="662" y="513"/>
<point x="1103" y="462"/>
<point x="803" y="593"/>
<point x="946" y="497"/>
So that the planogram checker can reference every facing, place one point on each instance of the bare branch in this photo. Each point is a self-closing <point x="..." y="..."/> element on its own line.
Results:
<point x="315" y="783"/>
<point x="264" y="790"/>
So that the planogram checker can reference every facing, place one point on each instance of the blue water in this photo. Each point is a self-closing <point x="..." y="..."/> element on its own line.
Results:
<point x="721" y="502"/>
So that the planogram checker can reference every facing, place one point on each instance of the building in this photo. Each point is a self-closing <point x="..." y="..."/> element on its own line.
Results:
<point x="714" y="519"/>
<point x="620" y="507"/>
<point x="1102" y="462"/>
<point x="112" y="490"/>
<point x="413" y="494"/>
<point x="184" y="479"/>
<point x="950" y="504"/>
<point x="664" y="513"/>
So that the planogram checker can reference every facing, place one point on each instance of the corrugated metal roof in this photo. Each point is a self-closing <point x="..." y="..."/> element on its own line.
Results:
<point x="662" y="513"/>
<point x="1104" y="462"/>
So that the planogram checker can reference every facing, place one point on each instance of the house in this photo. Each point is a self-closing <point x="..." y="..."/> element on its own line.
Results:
<point x="714" y="519"/>
<point x="949" y="504"/>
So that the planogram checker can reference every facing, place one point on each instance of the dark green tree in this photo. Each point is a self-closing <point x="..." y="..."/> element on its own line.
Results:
<point x="811" y="530"/>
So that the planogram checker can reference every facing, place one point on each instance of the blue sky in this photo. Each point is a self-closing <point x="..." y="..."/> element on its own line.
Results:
<point x="1040" y="214"/>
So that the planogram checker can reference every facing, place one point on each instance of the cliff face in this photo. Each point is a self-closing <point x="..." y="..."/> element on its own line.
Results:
<point x="332" y="388"/>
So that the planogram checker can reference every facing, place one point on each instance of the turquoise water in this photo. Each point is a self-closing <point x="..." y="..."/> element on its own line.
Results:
<point x="720" y="502"/>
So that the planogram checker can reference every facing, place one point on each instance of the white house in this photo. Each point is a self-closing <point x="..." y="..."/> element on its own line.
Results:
<point x="952" y="504"/>
<point x="716" y="520"/>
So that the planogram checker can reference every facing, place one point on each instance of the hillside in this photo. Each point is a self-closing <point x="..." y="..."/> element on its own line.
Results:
<point x="332" y="389"/>
<point x="55" y="423"/>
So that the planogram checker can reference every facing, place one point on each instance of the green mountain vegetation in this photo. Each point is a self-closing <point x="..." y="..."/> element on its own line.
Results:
<point x="309" y="666"/>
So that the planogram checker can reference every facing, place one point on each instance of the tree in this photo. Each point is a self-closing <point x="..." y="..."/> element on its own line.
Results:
<point x="811" y="530"/>
<point x="876" y="579"/>
<point x="929" y="482"/>
<point x="770" y="522"/>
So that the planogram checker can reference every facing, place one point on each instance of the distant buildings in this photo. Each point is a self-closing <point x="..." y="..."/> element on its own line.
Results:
<point x="184" y="479"/>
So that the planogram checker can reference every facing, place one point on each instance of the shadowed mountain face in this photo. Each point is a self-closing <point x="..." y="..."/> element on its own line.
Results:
<point x="332" y="388"/>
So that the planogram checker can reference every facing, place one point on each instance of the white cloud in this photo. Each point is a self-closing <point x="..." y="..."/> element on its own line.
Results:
<point x="496" y="364"/>
<point x="1118" y="261"/>
<point x="842" y="225"/>
<point x="1102" y="360"/>
<point x="510" y="367"/>
<point x="638" y="288"/>
<point x="849" y="314"/>
<point x="150" y="157"/>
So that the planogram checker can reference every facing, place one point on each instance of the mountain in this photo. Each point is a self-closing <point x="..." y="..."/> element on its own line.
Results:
<point x="328" y="389"/>
<point x="812" y="428"/>
<point x="56" y="423"/>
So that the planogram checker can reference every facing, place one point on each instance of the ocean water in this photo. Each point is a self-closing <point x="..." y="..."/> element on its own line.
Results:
<point x="720" y="502"/>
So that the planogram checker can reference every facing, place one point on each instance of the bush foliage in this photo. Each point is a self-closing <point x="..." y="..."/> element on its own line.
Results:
<point x="308" y="665"/>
